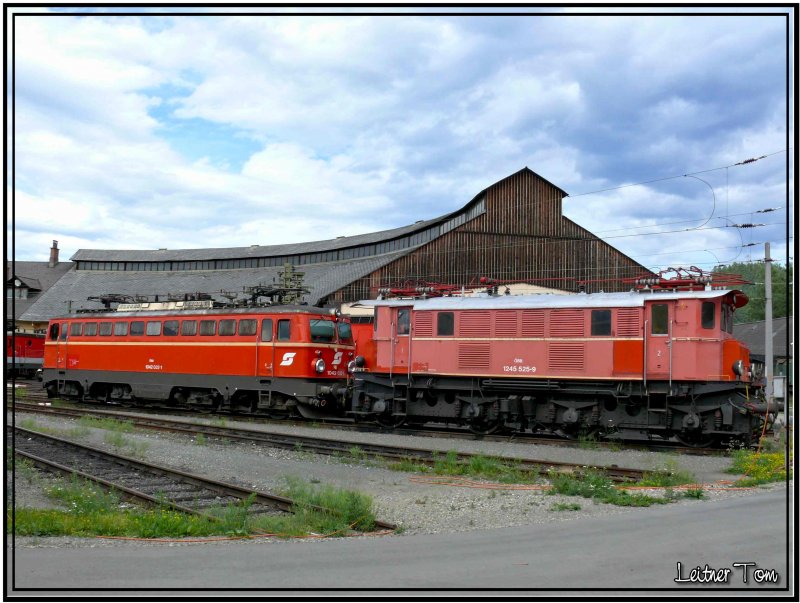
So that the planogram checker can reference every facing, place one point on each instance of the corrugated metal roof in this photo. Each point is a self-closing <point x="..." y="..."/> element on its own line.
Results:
<point x="254" y="251"/>
<point x="753" y="335"/>
<point x="73" y="289"/>
<point x="37" y="274"/>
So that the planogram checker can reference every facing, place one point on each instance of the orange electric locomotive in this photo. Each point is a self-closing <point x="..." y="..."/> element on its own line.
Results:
<point x="279" y="360"/>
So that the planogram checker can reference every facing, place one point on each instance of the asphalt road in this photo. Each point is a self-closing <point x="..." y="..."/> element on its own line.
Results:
<point x="630" y="553"/>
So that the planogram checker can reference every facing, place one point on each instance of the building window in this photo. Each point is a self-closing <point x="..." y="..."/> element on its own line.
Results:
<point x="445" y="324"/>
<point x="708" y="315"/>
<point x="601" y="322"/>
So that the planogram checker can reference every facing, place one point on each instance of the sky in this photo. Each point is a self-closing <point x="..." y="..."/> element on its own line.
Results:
<point x="192" y="131"/>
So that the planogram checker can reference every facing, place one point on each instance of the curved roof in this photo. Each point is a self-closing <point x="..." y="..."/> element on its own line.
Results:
<point x="258" y="251"/>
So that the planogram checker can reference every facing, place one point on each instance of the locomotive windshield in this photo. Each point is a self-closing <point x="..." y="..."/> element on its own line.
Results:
<point x="322" y="330"/>
<point x="345" y="333"/>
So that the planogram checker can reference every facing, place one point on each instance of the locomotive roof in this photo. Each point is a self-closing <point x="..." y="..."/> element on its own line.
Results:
<point x="313" y="310"/>
<point x="629" y="299"/>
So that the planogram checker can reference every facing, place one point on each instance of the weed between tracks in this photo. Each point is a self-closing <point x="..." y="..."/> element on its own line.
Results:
<point x="92" y="511"/>
<point x="479" y="466"/>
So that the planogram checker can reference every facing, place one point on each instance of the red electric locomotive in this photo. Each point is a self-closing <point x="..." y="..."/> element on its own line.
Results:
<point x="278" y="360"/>
<point x="24" y="353"/>
<point x="643" y="364"/>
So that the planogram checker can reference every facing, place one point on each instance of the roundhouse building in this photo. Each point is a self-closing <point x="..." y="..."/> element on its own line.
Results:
<point x="512" y="230"/>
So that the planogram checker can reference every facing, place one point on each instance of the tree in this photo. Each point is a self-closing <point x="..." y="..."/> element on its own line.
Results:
<point x="754" y="272"/>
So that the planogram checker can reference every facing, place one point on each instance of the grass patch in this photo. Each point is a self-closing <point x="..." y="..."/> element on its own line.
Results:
<point x="93" y="511"/>
<point x="107" y="424"/>
<point x="667" y="477"/>
<point x="758" y="468"/>
<point x="565" y="507"/>
<point x="126" y="446"/>
<point x="478" y="466"/>
<point x="74" y="432"/>
<point x="597" y="486"/>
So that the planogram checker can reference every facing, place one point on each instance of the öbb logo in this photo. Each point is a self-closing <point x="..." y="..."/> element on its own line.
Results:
<point x="288" y="358"/>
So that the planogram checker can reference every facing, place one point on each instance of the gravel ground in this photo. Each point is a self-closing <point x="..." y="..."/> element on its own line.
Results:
<point x="418" y="507"/>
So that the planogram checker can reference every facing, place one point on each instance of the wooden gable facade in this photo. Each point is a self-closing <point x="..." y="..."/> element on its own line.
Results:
<point x="513" y="230"/>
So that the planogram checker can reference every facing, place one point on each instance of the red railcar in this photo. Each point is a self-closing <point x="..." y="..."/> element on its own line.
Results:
<point x="24" y="353"/>
<point x="650" y="364"/>
<point x="276" y="360"/>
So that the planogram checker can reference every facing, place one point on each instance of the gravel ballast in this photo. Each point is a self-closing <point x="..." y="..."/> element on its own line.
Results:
<point x="418" y="508"/>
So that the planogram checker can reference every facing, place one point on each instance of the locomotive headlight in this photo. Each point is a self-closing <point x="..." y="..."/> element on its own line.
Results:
<point x="738" y="368"/>
<point x="319" y="365"/>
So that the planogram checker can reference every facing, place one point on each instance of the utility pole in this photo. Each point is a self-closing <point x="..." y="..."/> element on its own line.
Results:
<point x="768" y="361"/>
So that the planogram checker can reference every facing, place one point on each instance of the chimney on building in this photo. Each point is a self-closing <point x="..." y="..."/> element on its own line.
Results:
<point x="54" y="254"/>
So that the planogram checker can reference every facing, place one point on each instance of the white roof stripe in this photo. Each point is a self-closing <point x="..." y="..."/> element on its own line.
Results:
<point x="632" y="299"/>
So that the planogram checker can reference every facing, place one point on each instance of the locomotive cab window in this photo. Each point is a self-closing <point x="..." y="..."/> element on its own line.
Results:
<point x="601" y="322"/>
<point x="208" y="327"/>
<point x="227" y="327"/>
<point x="91" y="329"/>
<point x="660" y="319"/>
<point x="403" y="322"/>
<point x="247" y="327"/>
<point x="54" y="331"/>
<point x="708" y="315"/>
<point x="284" y="330"/>
<point x="76" y="328"/>
<point x="154" y="328"/>
<point x="63" y="336"/>
<point x="345" y="332"/>
<point x="445" y="323"/>
<point x="170" y="327"/>
<point x="137" y="328"/>
<point x="322" y="330"/>
<point x="266" y="329"/>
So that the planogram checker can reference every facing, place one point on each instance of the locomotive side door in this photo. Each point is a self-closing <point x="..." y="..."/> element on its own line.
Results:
<point x="660" y="319"/>
<point x="265" y="350"/>
<point x="58" y="333"/>
<point x="401" y="339"/>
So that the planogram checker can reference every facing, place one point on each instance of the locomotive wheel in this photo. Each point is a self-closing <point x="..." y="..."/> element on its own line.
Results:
<point x="484" y="427"/>
<point x="695" y="440"/>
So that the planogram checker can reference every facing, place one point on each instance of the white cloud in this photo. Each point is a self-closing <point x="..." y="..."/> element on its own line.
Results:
<point x="148" y="132"/>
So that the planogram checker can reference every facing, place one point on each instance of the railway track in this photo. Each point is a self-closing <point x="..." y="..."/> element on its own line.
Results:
<point x="422" y="431"/>
<point x="318" y="444"/>
<point x="145" y="482"/>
